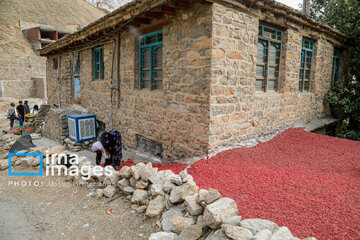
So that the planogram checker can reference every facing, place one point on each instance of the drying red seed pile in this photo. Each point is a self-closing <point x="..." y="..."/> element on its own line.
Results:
<point x="307" y="182"/>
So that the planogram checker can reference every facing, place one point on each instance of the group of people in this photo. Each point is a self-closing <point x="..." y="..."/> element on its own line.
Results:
<point x="20" y="112"/>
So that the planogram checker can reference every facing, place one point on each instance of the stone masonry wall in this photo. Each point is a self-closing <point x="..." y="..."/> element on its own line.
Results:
<point x="237" y="111"/>
<point x="176" y="116"/>
<point x="16" y="76"/>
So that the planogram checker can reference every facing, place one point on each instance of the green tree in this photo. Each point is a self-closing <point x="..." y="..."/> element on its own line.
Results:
<point x="344" y="15"/>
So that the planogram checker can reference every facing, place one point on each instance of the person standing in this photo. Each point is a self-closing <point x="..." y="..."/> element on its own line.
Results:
<point x="26" y="107"/>
<point x="12" y="115"/>
<point x="21" y="111"/>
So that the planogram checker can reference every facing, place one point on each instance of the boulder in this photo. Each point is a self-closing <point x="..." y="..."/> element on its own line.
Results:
<point x="282" y="233"/>
<point x="218" y="211"/>
<point x="235" y="221"/>
<point x="212" y="196"/>
<point x="188" y="189"/>
<point x="139" y="197"/>
<point x="202" y="197"/>
<point x="27" y="161"/>
<point x="256" y="225"/>
<point x="156" y="207"/>
<point x="237" y="233"/>
<point x="217" y="235"/>
<point x="263" y="235"/>
<point x="156" y="190"/>
<point x="192" y="206"/>
<point x="109" y="191"/>
<point x="125" y="172"/>
<point x="175" y="196"/>
<point x="154" y="178"/>
<point x="168" y="185"/>
<point x="128" y="190"/>
<point x="192" y="232"/>
<point x="123" y="183"/>
<point x="132" y="182"/>
<point x="146" y="172"/>
<point x="168" y="217"/>
<point x="141" y="184"/>
<point x="162" y="236"/>
<point x="135" y="172"/>
<point x="176" y="179"/>
<point x="180" y="223"/>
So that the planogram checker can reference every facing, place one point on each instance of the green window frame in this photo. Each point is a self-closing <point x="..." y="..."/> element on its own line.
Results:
<point x="335" y="75"/>
<point x="268" y="58"/>
<point x="150" y="55"/>
<point x="307" y="52"/>
<point x="98" y="67"/>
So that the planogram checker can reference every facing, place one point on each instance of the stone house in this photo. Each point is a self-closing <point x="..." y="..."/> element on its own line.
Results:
<point x="25" y="27"/>
<point x="191" y="76"/>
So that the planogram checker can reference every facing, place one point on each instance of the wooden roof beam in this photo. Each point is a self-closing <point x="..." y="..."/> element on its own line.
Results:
<point x="185" y="6"/>
<point x="154" y="15"/>
<point x="168" y="10"/>
<point x="142" y="20"/>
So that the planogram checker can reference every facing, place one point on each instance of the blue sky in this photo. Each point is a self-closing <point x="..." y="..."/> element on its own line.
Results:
<point x="291" y="3"/>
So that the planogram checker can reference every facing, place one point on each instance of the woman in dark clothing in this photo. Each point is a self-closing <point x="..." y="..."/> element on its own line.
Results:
<point x="110" y="147"/>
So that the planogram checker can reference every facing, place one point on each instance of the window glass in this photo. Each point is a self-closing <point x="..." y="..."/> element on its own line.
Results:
<point x="268" y="58"/>
<point x="151" y="60"/>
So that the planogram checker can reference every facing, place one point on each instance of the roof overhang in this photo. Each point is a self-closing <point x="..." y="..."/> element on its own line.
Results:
<point x="139" y="12"/>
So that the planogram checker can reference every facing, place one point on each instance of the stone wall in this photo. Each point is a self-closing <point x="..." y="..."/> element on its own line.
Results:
<point x="208" y="98"/>
<point x="176" y="116"/>
<point x="16" y="76"/>
<point x="237" y="110"/>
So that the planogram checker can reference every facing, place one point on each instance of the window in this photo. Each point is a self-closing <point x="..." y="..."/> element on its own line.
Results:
<point x="99" y="63"/>
<point x="305" y="67"/>
<point x="268" y="58"/>
<point x="335" y="67"/>
<point x="55" y="63"/>
<point x="150" y="51"/>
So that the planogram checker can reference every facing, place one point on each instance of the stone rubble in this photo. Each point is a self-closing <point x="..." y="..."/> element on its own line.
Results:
<point x="183" y="211"/>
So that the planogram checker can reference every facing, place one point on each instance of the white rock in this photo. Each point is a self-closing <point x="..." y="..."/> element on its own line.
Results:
<point x="263" y="235"/>
<point x="217" y="235"/>
<point x="180" y="223"/>
<point x="202" y="196"/>
<point x="125" y="172"/>
<point x="157" y="189"/>
<point x="109" y="191"/>
<point x="175" y="196"/>
<point x="255" y="225"/>
<point x="128" y="190"/>
<point x="237" y="233"/>
<point x="212" y="196"/>
<point x="156" y="207"/>
<point x="192" y="206"/>
<point x="141" y="184"/>
<point x="235" y="221"/>
<point x="154" y="178"/>
<point x="192" y="232"/>
<point x="162" y="236"/>
<point x="282" y="233"/>
<point x="168" y="186"/>
<point x="176" y="179"/>
<point x="139" y="197"/>
<point x="146" y="172"/>
<point x="218" y="211"/>
<point x="123" y="183"/>
<point x="135" y="172"/>
<point x="168" y="217"/>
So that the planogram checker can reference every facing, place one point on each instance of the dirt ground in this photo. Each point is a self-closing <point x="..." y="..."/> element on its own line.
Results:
<point x="50" y="208"/>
